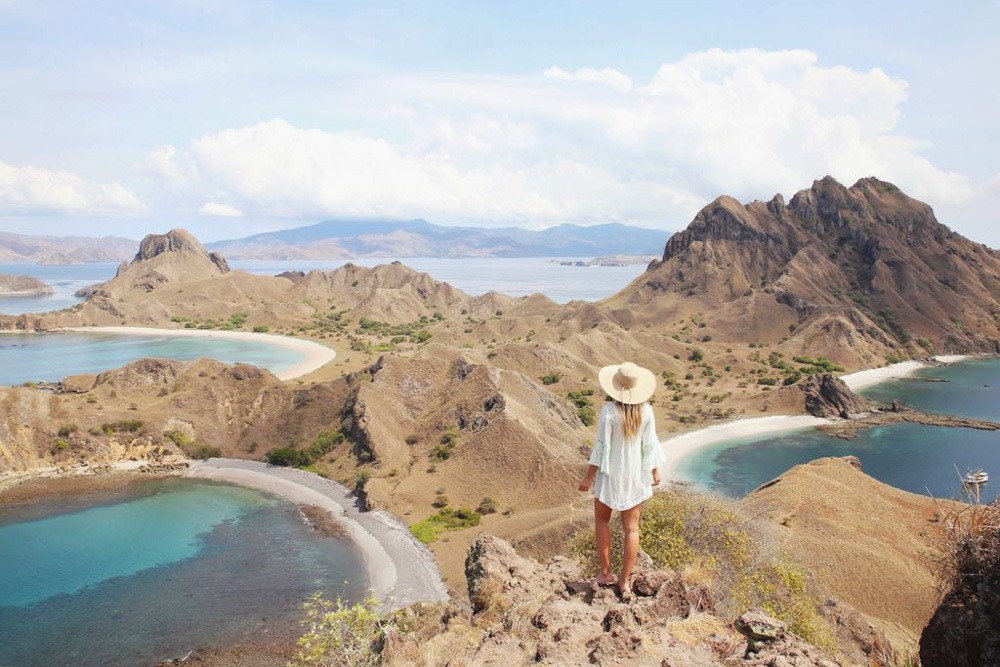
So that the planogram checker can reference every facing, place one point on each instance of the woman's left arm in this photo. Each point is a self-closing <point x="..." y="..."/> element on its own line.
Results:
<point x="652" y="450"/>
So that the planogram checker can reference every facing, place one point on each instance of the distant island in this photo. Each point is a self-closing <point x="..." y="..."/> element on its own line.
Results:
<point x="23" y="286"/>
<point x="348" y="239"/>
<point x="611" y="260"/>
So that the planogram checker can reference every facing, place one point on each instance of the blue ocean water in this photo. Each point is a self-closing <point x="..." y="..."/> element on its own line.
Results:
<point x="513" y="276"/>
<point x="917" y="458"/>
<point x="173" y="565"/>
<point x="53" y="356"/>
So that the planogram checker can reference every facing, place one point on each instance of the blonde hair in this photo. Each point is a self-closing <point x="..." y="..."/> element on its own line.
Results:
<point x="631" y="416"/>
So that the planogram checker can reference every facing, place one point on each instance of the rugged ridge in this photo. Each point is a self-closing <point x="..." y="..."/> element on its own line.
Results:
<point x="855" y="272"/>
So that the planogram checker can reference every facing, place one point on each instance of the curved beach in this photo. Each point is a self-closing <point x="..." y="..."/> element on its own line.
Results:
<point x="316" y="355"/>
<point x="679" y="447"/>
<point x="401" y="570"/>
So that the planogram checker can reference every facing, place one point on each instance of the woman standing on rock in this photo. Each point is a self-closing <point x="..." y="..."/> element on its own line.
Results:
<point x="624" y="463"/>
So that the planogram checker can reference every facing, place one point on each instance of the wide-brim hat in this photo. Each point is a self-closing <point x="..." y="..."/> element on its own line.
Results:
<point x="627" y="382"/>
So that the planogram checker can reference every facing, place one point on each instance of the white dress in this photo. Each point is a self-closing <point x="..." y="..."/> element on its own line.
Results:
<point x="625" y="468"/>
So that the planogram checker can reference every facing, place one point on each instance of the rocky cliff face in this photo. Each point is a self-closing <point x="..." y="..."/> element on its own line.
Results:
<point x="965" y="628"/>
<point x="836" y="267"/>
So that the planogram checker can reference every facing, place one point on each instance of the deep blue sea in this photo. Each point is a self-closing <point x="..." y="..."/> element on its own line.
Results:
<point x="54" y="356"/>
<point x="921" y="459"/>
<point x="157" y="570"/>
<point x="513" y="276"/>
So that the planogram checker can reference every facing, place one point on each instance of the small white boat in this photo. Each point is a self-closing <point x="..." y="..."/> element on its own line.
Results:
<point x="976" y="477"/>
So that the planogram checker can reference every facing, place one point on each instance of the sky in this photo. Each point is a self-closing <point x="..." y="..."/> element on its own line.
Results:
<point x="230" y="118"/>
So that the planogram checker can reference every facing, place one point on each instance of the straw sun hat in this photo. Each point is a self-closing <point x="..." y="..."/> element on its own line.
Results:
<point x="627" y="383"/>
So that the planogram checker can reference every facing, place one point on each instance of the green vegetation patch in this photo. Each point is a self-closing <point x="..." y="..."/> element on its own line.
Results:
<point x="446" y="519"/>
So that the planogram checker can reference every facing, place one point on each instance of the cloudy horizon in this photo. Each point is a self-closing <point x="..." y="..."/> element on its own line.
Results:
<point x="234" y="118"/>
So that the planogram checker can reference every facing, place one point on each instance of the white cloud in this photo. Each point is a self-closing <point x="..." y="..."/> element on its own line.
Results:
<point x="33" y="190"/>
<point x="578" y="146"/>
<point x="217" y="210"/>
<point x="607" y="76"/>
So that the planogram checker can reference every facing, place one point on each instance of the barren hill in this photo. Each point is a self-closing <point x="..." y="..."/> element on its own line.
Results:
<point x="853" y="273"/>
<point x="64" y="250"/>
<point x="869" y="544"/>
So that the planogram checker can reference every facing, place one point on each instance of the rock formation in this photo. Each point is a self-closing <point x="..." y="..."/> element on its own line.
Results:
<point x="828" y="396"/>
<point x="848" y="272"/>
<point x="18" y="286"/>
<point x="524" y="612"/>
<point x="965" y="628"/>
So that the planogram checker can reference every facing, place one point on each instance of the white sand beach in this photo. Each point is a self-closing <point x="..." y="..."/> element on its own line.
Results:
<point x="401" y="570"/>
<point x="873" y="376"/>
<point x="316" y="355"/>
<point x="681" y="446"/>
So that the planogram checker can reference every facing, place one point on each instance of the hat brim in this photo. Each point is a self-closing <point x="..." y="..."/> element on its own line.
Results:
<point x="642" y="391"/>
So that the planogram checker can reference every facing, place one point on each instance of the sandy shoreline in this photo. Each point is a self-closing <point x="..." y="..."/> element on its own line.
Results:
<point x="401" y="570"/>
<point x="678" y="448"/>
<point x="316" y="355"/>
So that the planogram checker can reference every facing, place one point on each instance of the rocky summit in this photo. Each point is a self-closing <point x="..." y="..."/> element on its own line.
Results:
<point x="853" y="271"/>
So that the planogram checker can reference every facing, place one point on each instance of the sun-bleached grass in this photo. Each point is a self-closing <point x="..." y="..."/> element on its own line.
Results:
<point x="711" y="539"/>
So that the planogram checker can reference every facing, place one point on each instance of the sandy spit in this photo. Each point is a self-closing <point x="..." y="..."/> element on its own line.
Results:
<point x="873" y="376"/>
<point x="316" y="355"/>
<point x="679" y="447"/>
<point x="401" y="570"/>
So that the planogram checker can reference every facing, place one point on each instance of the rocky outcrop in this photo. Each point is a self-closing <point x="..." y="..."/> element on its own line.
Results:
<point x="180" y="241"/>
<point x="525" y="612"/>
<point x="829" y="396"/>
<point x="26" y="286"/>
<point x="866" y="254"/>
<point x="965" y="628"/>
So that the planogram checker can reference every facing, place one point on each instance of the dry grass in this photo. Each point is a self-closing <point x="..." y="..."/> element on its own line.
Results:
<point x="972" y="545"/>
<point x="698" y="628"/>
<point x="716" y="541"/>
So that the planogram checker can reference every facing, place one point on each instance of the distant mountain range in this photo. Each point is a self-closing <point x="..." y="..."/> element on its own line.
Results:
<point x="333" y="239"/>
<point x="65" y="249"/>
<point x="419" y="238"/>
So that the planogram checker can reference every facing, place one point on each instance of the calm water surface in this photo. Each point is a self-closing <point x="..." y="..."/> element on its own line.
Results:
<point x="174" y="565"/>
<point x="914" y="457"/>
<point x="54" y="356"/>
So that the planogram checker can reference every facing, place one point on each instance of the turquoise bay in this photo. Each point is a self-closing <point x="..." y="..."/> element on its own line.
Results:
<point x="166" y="567"/>
<point x="917" y="458"/>
<point x="47" y="357"/>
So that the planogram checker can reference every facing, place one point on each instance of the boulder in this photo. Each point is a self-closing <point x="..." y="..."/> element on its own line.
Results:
<point x="828" y="396"/>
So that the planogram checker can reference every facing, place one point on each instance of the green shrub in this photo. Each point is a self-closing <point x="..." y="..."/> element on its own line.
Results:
<point x="323" y="443"/>
<point x="361" y="478"/>
<point x="287" y="456"/>
<point x="125" y="425"/>
<point x="696" y="355"/>
<point x="446" y="519"/>
<point x="551" y="378"/>
<point x="261" y="328"/>
<point x="340" y="634"/>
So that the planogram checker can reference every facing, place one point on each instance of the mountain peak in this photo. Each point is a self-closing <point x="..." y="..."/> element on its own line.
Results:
<point x="178" y="241"/>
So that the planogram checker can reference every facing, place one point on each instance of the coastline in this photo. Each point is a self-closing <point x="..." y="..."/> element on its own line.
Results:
<point x="680" y="447"/>
<point x="401" y="571"/>
<point x="316" y="355"/>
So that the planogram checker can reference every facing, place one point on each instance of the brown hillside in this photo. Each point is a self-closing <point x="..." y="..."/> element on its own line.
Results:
<point x="867" y="543"/>
<point x="848" y="272"/>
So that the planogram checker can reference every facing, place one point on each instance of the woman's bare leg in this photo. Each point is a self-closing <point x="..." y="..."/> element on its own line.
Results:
<point x="602" y="524"/>
<point x="630" y="524"/>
